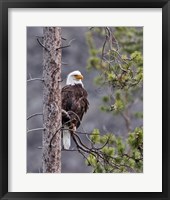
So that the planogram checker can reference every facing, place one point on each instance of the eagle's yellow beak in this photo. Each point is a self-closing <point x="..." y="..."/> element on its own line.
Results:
<point x="78" y="77"/>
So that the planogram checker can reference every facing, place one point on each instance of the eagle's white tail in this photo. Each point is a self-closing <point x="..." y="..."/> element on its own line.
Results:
<point x="66" y="139"/>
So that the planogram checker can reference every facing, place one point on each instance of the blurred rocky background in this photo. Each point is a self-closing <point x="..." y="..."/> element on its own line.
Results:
<point x="73" y="58"/>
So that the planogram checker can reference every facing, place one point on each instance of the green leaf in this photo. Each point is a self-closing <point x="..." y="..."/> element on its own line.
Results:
<point x="105" y="99"/>
<point x="98" y="80"/>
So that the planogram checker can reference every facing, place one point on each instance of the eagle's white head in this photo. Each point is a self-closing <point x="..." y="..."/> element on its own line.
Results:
<point x="74" y="77"/>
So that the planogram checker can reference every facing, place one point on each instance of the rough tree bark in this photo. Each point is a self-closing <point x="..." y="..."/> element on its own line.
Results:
<point x="52" y="100"/>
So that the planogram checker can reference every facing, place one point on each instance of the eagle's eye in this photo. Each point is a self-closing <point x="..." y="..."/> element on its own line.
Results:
<point x="78" y="77"/>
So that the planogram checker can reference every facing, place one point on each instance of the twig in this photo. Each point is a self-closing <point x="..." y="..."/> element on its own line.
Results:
<point x="35" y="79"/>
<point x="91" y="151"/>
<point x="91" y="28"/>
<point x="127" y="121"/>
<point x="63" y="63"/>
<point x="37" y="36"/>
<point x="91" y="142"/>
<point x="69" y="44"/>
<point x="84" y="157"/>
<point x="119" y="56"/>
<point x="62" y="47"/>
<point x="34" y="115"/>
<point x="124" y="70"/>
<point x="116" y="42"/>
<point x="36" y="129"/>
<point x="79" y="132"/>
<point x="96" y="153"/>
<point x="99" y="148"/>
<point x="80" y="147"/>
<point x="104" y="47"/>
<point x="42" y="45"/>
<point x="54" y="136"/>
<point x="63" y="38"/>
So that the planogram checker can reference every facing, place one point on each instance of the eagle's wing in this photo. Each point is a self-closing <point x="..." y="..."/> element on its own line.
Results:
<point x="74" y="101"/>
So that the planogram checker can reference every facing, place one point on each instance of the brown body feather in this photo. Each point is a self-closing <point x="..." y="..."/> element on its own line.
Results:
<point x="74" y="101"/>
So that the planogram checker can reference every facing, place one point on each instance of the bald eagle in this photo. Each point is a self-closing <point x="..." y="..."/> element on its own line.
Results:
<point x="75" y="103"/>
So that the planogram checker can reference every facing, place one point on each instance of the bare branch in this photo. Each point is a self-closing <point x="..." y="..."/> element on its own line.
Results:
<point x="91" y="28"/>
<point x="116" y="42"/>
<point x="103" y="48"/>
<point x="34" y="79"/>
<point x="36" y="114"/>
<point x="79" y="132"/>
<point x="127" y="121"/>
<point x="69" y="44"/>
<point x="36" y="129"/>
<point x="63" y="63"/>
<point x="84" y="157"/>
<point x="53" y="137"/>
<point x="63" y="38"/>
<point x="91" y="142"/>
<point x="124" y="70"/>
<point x="41" y="44"/>
<point x="99" y="148"/>
<point x="37" y="36"/>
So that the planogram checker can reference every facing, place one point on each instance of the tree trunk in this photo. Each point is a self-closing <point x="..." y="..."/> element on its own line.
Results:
<point x="52" y="100"/>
